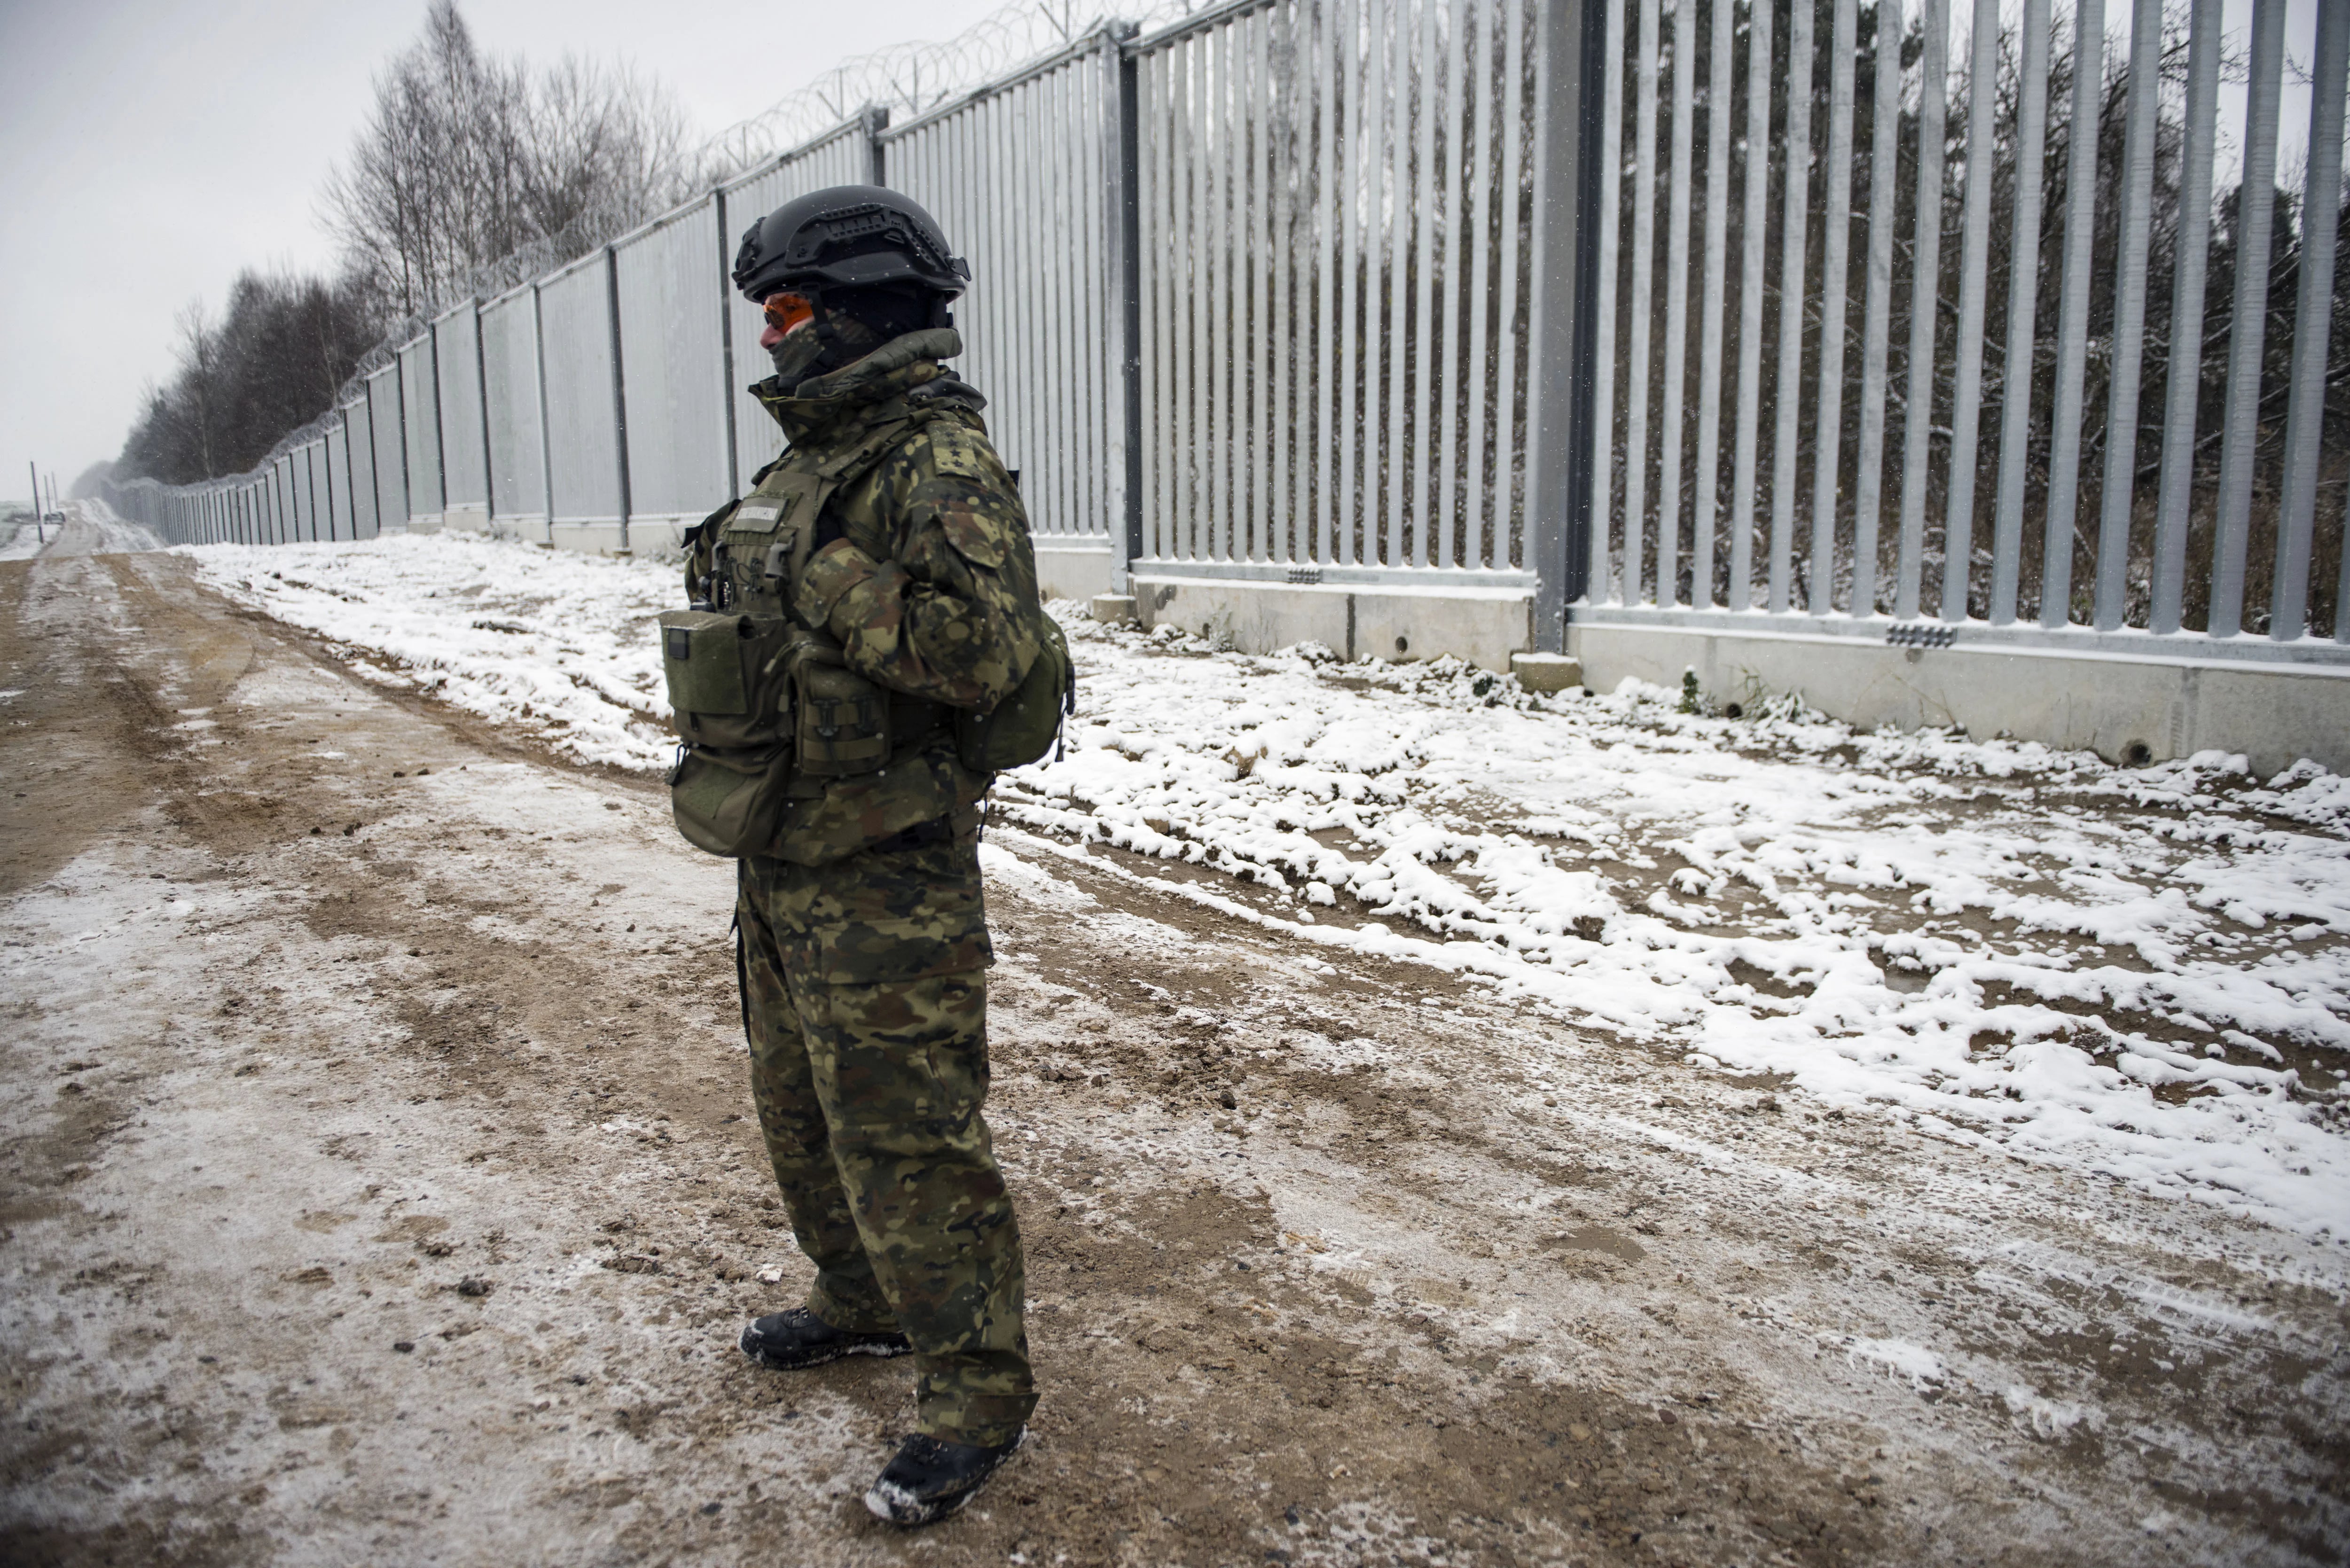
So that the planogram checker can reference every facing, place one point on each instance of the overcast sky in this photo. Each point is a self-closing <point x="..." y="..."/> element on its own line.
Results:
<point x="148" y="150"/>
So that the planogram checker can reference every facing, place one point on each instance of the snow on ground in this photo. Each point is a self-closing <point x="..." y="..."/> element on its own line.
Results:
<point x="2141" y="973"/>
<point x="91" y="528"/>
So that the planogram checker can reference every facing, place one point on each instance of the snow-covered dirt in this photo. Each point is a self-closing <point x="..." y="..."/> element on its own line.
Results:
<point x="380" y="1186"/>
<point x="90" y="528"/>
<point x="2141" y="973"/>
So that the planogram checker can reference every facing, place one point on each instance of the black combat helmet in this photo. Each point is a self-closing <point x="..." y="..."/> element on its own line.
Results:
<point x="847" y="237"/>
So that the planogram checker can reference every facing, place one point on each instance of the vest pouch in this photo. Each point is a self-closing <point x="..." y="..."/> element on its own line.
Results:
<point x="842" y="719"/>
<point x="1026" y="724"/>
<point x="729" y="803"/>
<point x="727" y="684"/>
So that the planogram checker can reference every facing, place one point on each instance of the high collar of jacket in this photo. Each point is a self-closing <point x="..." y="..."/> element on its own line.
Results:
<point x="816" y="406"/>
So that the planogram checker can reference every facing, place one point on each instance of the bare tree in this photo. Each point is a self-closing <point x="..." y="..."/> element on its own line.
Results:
<point x="467" y="160"/>
<point x="199" y="373"/>
<point x="272" y="360"/>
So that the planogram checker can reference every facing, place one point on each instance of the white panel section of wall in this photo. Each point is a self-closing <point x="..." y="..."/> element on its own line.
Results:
<point x="1019" y="178"/>
<point x="359" y="454"/>
<point x="334" y="485"/>
<point x="842" y="157"/>
<point x="298" y="494"/>
<point x="421" y="423"/>
<point x="390" y="458"/>
<point x="672" y="366"/>
<point x="582" y="440"/>
<point x="457" y="356"/>
<point x="517" y="446"/>
<point x="1334" y="245"/>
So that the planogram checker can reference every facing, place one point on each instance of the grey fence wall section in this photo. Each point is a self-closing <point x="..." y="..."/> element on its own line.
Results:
<point x="384" y="420"/>
<point x="672" y="323"/>
<point x="457" y="369"/>
<point x="420" y="427"/>
<point x="1024" y="178"/>
<point x="311" y="481"/>
<point x="514" y="434"/>
<point x="1705" y="315"/>
<point x="359" y="443"/>
<point x="578" y="351"/>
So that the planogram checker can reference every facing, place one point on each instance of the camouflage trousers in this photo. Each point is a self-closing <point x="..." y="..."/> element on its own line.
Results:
<point x="865" y="1002"/>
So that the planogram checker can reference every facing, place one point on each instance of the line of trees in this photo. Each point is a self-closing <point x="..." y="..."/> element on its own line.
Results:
<point x="470" y="173"/>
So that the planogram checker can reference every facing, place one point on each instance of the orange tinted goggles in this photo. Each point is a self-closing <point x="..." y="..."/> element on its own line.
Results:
<point x="786" y="310"/>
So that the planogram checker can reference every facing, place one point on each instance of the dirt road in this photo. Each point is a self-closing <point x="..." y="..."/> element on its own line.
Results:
<point x="379" y="1186"/>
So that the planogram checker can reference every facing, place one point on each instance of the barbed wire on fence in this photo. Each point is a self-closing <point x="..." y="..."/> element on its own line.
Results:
<point x="913" y="79"/>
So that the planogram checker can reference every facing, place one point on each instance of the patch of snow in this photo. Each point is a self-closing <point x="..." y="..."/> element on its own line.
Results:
<point x="2047" y="1418"/>
<point x="1921" y="1366"/>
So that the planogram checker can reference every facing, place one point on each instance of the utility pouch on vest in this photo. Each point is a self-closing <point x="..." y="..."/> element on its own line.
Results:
<point x="1026" y="724"/>
<point x="726" y="679"/>
<point x="843" y="719"/>
<point x="729" y="803"/>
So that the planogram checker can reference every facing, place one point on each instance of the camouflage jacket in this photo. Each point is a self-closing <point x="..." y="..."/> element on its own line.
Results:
<point x="919" y="563"/>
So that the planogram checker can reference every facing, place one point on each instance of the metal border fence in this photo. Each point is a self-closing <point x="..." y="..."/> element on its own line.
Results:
<point x="1882" y="322"/>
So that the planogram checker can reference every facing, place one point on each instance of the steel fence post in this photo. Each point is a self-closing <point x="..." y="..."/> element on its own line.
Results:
<point x="538" y="369"/>
<point x="489" y="468"/>
<point x="726" y="340"/>
<point x="619" y="388"/>
<point x="1126" y="268"/>
<point x="875" y="120"/>
<point x="1559" y="461"/>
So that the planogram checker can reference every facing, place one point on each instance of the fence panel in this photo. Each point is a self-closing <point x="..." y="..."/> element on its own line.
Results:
<point x="672" y="289"/>
<point x="421" y="428"/>
<point x="303" y="484"/>
<point x="2051" y="313"/>
<point x="457" y="366"/>
<point x="582" y="432"/>
<point x="1334" y="247"/>
<point x="296" y="514"/>
<point x="842" y="157"/>
<point x="334" y="480"/>
<point x="517" y="448"/>
<point x="384" y="419"/>
<point x="359" y="467"/>
<point x="322" y="490"/>
<point x="1039" y="324"/>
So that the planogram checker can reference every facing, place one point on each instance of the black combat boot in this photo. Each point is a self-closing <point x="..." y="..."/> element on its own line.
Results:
<point x="931" y="1477"/>
<point x="788" y="1341"/>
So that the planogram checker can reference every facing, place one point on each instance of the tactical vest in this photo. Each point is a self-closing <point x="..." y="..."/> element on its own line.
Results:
<point x="766" y="708"/>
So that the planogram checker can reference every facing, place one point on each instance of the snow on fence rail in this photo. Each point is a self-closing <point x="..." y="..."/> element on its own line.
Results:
<point x="1698" y="314"/>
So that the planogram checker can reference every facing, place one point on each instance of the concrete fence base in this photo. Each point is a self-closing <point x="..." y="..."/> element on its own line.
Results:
<point x="1484" y="626"/>
<point x="2124" y="708"/>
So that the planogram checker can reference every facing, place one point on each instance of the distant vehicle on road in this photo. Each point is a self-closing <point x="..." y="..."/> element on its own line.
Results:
<point x="53" y="516"/>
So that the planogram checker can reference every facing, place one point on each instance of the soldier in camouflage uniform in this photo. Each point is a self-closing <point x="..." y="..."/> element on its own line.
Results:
<point x="863" y="947"/>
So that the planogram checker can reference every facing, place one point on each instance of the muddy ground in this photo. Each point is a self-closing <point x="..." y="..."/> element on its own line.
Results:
<point x="378" y="1186"/>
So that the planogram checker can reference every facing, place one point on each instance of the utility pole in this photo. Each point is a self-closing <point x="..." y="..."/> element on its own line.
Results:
<point x="40" y="528"/>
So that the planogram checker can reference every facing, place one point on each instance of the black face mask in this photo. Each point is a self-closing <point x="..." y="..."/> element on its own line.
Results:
<point x="800" y="354"/>
<point x="847" y="325"/>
